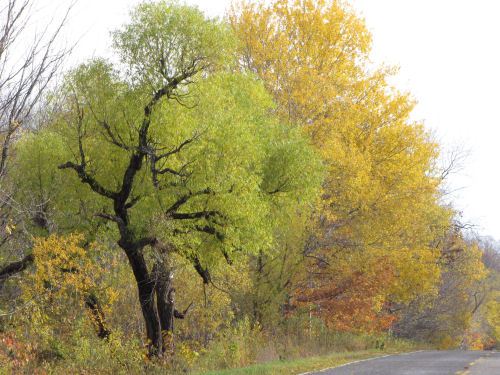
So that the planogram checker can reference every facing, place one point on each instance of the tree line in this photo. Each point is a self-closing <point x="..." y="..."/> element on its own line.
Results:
<point x="227" y="179"/>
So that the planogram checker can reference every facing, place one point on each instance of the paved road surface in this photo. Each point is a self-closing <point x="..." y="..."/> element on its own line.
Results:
<point x="424" y="363"/>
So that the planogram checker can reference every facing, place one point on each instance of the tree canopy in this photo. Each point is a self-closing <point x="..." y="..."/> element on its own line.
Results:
<point x="180" y="153"/>
<point x="257" y="183"/>
<point x="381" y="200"/>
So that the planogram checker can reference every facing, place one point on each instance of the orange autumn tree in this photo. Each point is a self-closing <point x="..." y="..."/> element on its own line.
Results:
<point x="348" y="302"/>
<point x="380" y="218"/>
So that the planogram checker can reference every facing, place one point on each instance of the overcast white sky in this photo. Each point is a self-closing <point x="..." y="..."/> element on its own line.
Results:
<point x="448" y="53"/>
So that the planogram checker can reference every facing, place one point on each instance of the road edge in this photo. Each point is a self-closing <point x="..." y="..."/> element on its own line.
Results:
<point x="361" y="360"/>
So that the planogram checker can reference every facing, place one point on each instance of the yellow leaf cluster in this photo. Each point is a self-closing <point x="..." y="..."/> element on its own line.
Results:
<point x="493" y="316"/>
<point x="63" y="265"/>
<point x="381" y="196"/>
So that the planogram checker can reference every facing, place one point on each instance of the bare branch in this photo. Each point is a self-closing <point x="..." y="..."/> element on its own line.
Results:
<point x="211" y="230"/>
<point x="23" y="82"/>
<point x="182" y="315"/>
<point x="171" y="171"/>
<point x="28" y="303"/>
<point x="88" y="179"/>
<point x="177" y="149"/>
<point x="132" y="202"/>
<point x="185" y="198"/>
<point x="203" y="272"/>
<point x="104" y="215"/>
<point x="194" y="215"/>
<point x="146" y="241"/>
<point x="113" y="138"/>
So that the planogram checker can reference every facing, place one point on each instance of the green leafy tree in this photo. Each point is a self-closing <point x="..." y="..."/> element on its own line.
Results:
<point x="175" y="152"/>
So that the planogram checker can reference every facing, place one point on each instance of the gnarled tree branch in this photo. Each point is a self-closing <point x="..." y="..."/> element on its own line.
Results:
<point x="88" y="179"/>
<point x="15" y="267"/>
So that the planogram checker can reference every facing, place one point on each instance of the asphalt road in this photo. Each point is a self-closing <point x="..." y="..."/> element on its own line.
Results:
<point x="424" y="363"/>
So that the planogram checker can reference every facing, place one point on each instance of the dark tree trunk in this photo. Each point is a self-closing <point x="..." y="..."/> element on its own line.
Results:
<point x="146" y="291"/>
<point x="165" y="302"/>
<point x="98" y="316"/>
<point x="257" y="309"/>
<point x="158" y="315"/>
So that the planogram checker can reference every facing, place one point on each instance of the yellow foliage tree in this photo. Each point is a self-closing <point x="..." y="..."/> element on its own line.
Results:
<point x="494" y="317"/>
<point x="381" y="197"/>
<point x="449" y="318"/>
<point x="66" y="278"/>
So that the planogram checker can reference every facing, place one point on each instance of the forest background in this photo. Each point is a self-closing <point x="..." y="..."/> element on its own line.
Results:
<point x="231" y="191"/>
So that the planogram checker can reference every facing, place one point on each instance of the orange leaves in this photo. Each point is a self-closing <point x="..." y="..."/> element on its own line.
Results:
<point x="16" y="356"/>
<point x="350" y="299"/>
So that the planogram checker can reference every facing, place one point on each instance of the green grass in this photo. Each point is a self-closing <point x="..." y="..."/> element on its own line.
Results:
<point x="298" y="366"/>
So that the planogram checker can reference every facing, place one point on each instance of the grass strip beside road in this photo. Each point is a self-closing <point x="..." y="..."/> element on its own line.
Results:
<point x="299" y="366"/>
